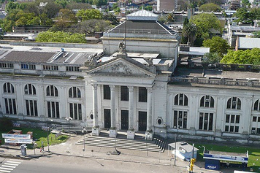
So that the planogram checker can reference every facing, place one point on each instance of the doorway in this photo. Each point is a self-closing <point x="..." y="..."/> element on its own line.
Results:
<point x="124" y="119"/>
<point x="142" y="121"/>
<point x="107" y="118"/>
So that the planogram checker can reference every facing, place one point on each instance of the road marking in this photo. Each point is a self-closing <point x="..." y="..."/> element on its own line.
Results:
<point x="6" y="168"/>
<point x="12" y="162"/>
<point x="4" y="171"/>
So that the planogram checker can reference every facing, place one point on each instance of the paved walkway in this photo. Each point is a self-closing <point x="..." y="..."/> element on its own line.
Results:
<point x="71" y="148"/>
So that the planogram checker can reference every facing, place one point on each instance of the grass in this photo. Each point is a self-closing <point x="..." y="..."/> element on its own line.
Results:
<point x="40" y="137"/>
<point x="253" y="152"/>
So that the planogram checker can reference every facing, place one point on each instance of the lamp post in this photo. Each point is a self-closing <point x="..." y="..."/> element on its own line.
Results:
<point x="176" y="145"/>
<point x="48" y="141"/>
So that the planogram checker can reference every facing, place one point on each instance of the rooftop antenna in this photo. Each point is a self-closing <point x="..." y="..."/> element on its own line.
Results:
<point x="125" y="26"/>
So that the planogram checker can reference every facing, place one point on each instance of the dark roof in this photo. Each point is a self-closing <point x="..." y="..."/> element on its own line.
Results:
<point x="30" y="57"/>
<point x="142" y="27"/>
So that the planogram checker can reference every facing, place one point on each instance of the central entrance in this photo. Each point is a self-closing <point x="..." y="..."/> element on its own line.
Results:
<point x="142" y="121"/>
<point x="107" y="118"/>
<point x="124" y="119"/>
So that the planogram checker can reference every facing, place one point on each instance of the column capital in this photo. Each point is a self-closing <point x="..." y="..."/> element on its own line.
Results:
<point x="112" y="87"/>
<point x="149" y="89"/>
<point x="130" y="88"/>
<point x="94" y="86"/>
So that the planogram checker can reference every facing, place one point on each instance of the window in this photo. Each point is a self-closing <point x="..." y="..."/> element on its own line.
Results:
<point x="180" y="119"/>
<point x="53" y="109"/>
<point x="74" y="92"/>
<point x="142" y="94"/>
<point x="8" y="88"/>
<point x="72" y="68"/>
<point x="10" y="106"/>
<point x="207" y="102"/>
<point x="75" y="111"/>
<point x="29" y="89"/>
<point x="256" y="105"/>
<point x="124" y="93"/>
<point x="106" y="90"/>
<point x="181" y="100"/>
<point x="232" y="123"/>
<point x="50" y="67"/>
<point x="31" y="108"/>
<point x="51" y="91"/>
<point x="206" y="121"/>
<point x="256" y="124"/>
<point x="28" y="66"/>
<point x="255" y="130"/>
<point x="234" y="103"/>
<point x="6" y="65"/>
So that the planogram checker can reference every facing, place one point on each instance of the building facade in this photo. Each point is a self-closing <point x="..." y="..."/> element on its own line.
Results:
<point x="129" y="90"/>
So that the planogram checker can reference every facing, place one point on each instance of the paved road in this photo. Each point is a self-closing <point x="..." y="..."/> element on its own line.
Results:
<point x="64" y="164"/>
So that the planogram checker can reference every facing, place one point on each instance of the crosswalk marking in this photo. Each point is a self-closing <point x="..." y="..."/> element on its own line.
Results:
<point x="9" y="166"/>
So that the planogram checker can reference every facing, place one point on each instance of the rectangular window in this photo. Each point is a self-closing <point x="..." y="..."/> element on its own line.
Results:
<point x="10" y="106"/>
<point x="232" y="123"/>
<point x="254" y="119"/>
<point x="28" y="66"/>
<point x="53" y="109"/>
<point x="142" y="94"/>
<point x="31" y="107"/>
<point x="206" y="121"/>
<point x="75" y="111"/>
<point x="50" y="67"/>
<point x="6" y="65"/>
<point x="180" y="119"/>
<point x="124" y="93"/>
<point x="72" y="68"/>
<point x="106" y="92"/>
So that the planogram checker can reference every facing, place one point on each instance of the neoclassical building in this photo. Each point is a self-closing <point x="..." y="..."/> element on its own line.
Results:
<point x="132" y="84"/>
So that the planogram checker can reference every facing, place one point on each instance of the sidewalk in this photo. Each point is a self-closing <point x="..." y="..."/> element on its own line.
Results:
<point x="69" y="149"/>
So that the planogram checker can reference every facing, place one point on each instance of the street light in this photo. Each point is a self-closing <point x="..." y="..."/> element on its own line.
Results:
<point x="48" y="137"/>
<point x="68" y="119"/>
<point x="176" y="145"/>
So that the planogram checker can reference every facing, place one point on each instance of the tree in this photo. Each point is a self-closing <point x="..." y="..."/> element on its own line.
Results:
<point x="148" y="8"/>
<point x="210" y="7"/>
<point x="242" y="57"/>
<point x="75" y="5"/>
<point x="63" y="37"/>
<point x="6" y="124"/>
<point x="211" y="58"/>
<point x="217" y="45"/>
<point x="65" y="19"/>
<point x="51" y="9"/>
<point x="170" y="17"/>
<point x="205" y="23"/>
<point x="256" y="34"/>
<point x="112" y="18"/>
<point x="189" y="31"/>
<point x="90" y="26"/>
<point x="89" y="14"/>
<point x="244" y="16"/>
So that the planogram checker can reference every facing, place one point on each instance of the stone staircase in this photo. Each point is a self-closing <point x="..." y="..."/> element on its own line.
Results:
<point x="139" y="143"/>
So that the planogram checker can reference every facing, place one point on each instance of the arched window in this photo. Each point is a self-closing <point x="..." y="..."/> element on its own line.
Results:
<point x="207" y="102"/>
<point x="51" y="91"/>
<point x="8" y="88"/>
<point x="29" y="89"/>
<point x="74" y="92"/>
<point x="234" y="103"/>
<point x="181" y="100"/>
<point x="256" y="105"/>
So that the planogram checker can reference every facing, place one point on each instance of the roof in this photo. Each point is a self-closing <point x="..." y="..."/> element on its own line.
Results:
<point x="248" y="43"/>
<point x="142" y="15"/>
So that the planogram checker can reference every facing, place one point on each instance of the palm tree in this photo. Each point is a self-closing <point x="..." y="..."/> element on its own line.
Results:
<point x="189" y="31"/>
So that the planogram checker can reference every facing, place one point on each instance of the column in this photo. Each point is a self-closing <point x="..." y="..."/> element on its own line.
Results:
<point x="131" y="107"/>
<point x="95" y="128"/>
<point x="112" y="105"/>
<point x="149" y="133"/>
<point x="131" y="131"/>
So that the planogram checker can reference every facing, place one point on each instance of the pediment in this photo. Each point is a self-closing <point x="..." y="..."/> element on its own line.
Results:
<point x="121" y="67"/>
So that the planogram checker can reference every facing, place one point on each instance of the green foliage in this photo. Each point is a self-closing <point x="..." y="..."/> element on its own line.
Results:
<point x="65" y="19"/>
<point x="112" y="18"/>
<point x="217" y="44"/>
<point x="204" y="23"/>
<point x="211" y="58"/>
<point x="10" y="6"/>
<point x="6" y="124"/>
<point x="245" y="3"/>
<point x="210" y="7"/>
<point x="90" y="26"/>
<point x="162" y="19"/>
<point x="256" y="34"/>
<point x="244" y="16"/>
<point x="63" y="37"/>
<point x="148" y="8"/>
<point x="242" y="57"/>
<point x="189" y="31"/>
<point x="89" y="14"/>
<point x="170" y="17"/>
